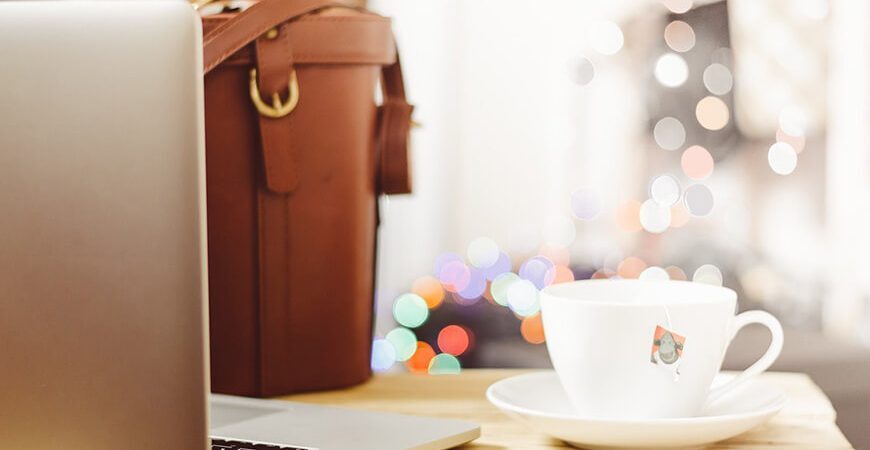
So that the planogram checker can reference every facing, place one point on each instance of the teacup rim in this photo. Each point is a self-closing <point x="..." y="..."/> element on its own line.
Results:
<point x="723" y="294"/>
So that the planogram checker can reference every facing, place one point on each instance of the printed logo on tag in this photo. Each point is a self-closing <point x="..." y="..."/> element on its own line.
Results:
<point x="667" y="347"/>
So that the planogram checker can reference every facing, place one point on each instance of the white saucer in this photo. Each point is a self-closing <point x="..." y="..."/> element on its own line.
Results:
<point x="538" y="399"/>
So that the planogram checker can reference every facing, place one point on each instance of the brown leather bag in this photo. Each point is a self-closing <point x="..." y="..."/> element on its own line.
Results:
<point x="296" y="153"/>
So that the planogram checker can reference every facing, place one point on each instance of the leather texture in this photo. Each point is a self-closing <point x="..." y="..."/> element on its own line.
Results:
<point x="292" y="201"/>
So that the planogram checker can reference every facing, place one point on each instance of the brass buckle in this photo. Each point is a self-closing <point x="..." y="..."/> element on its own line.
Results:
<point x="278" y="109"/>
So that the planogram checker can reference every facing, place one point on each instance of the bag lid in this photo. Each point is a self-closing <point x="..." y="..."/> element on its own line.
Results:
<point x="331" y="36"/>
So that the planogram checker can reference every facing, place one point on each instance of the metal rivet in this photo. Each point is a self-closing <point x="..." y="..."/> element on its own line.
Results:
<point x="272" y="34"/>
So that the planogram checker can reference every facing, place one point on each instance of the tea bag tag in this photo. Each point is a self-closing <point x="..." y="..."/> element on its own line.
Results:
<point x="667" y="349"/>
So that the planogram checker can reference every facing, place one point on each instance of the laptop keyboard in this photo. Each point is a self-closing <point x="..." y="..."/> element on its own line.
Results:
<point x="220" y="444"/>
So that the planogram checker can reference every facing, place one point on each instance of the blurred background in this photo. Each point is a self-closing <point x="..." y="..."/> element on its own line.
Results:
<point x="721" y="142"/>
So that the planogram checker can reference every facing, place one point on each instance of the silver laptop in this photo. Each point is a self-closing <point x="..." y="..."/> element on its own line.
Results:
<point x="102" y="247"/>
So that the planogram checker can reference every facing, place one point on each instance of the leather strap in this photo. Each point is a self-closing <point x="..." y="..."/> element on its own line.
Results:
<point x="274" y="65"/>
<point x="247" y="25"/>
<point x="274" y="252"/>
<point x="394" y="117"/>
<point x="326" y="39"/>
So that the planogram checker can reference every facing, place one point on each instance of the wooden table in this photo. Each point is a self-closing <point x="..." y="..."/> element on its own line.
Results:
<point x="806" y="422"/>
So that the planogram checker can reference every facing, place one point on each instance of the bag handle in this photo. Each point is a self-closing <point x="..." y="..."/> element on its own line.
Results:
<point x="233" y="35"/>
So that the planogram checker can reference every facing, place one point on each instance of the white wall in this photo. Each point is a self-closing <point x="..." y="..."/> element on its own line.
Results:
<point x="848" y="168"/>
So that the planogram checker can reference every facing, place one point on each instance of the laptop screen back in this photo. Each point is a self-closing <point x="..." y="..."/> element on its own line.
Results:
<point x="102" y="282"/>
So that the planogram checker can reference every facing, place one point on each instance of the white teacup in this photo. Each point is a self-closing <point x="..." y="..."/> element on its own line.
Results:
<point x="612" y="360"/>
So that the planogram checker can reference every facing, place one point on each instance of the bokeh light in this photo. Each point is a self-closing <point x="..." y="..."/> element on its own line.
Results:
<point x="665" y="190"/>
<point x="455" y="276"/>
<point x="500" y="286"/>
<point x="708" y="274"/>
<point x="429" y="288"/>
<point x="679" y="36"/>
<point x="628" y="216"/>
<point x="718" y="79"/>
<point x="677" y="6"/>
<point x="699" y="200"/>
<point x="419" y="362"/>
<point x="585" y="204"/>
<point x="602" y="274"/>
<point x="485" y="269"/>
<point x="793" y="121"/>
<point x="712" y="113"/>
<point x="797" y="142"/>
<point x="655" y="217"/>
<point x="474" y="289"/>
<point x="453" y="339"/>
<point x="563" y="274"/>
<point x="675" y="273"/>
<point x="671" y="70"/>
<point x="443" y="259"/>
<point x="410" y="310"/>
<point x="605" y="37"/>
<point x="559" y="231"/>
<point x="444" y="364"/>
<point x="404" y="341"/>
<point x="482" y="252"/>
<point x="679" y="216"/>
<point x="654" y="273"/>
<point x="383" y="355"/>
<point x="581" y="70"/>
<point x="557" y="255"/>
<point x="782" y="158"/>
<point x="631" y="267"/>
<point x="487" y="294"/>
<point x="669" y="133"/>
<point x="502" y="265"/>
<point x="697" y="163"/>
<point x="523" y="298"/>
<point x="532" y="329"/>
<point x="538" y="270"/>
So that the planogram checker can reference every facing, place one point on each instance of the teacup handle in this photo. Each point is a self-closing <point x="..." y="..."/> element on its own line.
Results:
<point x="763" y="363"/>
